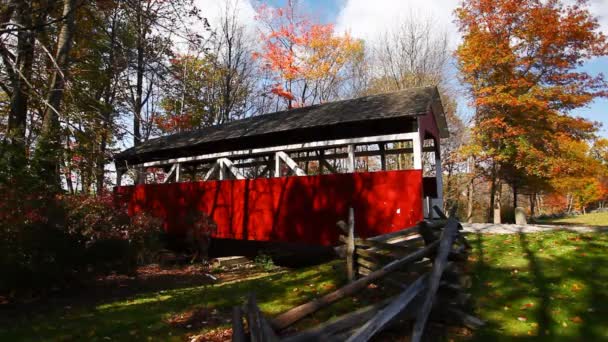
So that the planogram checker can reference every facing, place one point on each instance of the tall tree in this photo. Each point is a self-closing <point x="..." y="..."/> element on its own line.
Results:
<point x="414" y="54"/>
<point x="306" y="61"/>
<point x="521" y="59"/>
<point x="213" y="82"/>
<point x="49" y="149"/>
<point x="18" y="66"/>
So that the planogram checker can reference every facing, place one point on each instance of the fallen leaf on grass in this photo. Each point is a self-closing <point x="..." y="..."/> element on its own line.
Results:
<point x="196" y="318"/>
<point x="576" y="287"/>
<point x="527" y="305"/>
<point x="576" y="319"/>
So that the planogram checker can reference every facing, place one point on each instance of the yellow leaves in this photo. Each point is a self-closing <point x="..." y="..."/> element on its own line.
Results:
<point x="576" y="287"/>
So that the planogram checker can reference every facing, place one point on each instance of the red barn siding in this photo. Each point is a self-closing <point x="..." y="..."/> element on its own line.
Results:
<point x="287" y="209"/>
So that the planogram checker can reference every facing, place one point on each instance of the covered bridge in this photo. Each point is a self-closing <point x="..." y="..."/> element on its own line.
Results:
<point x="290" y="176"/>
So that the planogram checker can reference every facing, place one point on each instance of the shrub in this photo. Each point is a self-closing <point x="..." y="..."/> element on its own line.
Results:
<point x="54" y="241"/>
<point x="265" y="262"/>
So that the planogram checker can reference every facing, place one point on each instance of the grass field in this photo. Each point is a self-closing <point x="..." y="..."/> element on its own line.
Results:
<point x="537" y="287"/>
<point x="541" y="287"/>
<point x="147" y="316"/>
<point x="592" y="220"/>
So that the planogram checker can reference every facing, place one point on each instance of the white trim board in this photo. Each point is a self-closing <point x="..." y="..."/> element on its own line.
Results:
<point x="291" y="147"/>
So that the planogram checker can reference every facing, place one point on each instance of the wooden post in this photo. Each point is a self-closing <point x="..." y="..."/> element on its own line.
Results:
<point x="141" y="178"/>
<point x="321" y="160"/>
<point x="259" y="329"/>
<point x="293" y="315"/>
<point x="351" y="158"/>
<point x="222" y="169"/>
<point x="119" y="173"/>
<point x="369" y="329"/>
<point x="447" y="239"/>
<point x="417" y="145"/>
<point x="238" y="332"/>
<point x="438" y="173"/>
<point x="382" y="156"/>
<point x="277" y="165"/>
<point x="350" y="246"/>
<point x="326" y="330"/>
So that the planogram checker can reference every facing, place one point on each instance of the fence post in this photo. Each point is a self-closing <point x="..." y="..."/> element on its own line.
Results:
<point x="350" y="246"/>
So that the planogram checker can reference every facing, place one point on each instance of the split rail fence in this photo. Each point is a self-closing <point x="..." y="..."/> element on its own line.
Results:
<point x="424" y="262"/>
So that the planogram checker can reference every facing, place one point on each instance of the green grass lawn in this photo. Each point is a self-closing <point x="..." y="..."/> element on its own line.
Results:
<point x="541" y="287"/>
<point x="537" y="287"/>
<point x="144" y="316"/>
<point x="592" y="220"/>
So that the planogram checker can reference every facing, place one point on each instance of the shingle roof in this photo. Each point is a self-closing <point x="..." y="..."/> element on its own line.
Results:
<point x="409" y="102"/>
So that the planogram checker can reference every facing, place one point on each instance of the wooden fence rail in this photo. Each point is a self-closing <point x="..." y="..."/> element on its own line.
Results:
<point x="422" y="262"/>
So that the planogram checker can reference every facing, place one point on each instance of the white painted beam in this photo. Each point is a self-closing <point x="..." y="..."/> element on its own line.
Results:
<point x="277" y="165"/>
<point x="211" y="171"/>
<point x="227" y="165"/>
<point x="290" y="162"/>
<point x="286" y="148"/>
<point x="351" y="158"/>
<point x="171" y="170"/>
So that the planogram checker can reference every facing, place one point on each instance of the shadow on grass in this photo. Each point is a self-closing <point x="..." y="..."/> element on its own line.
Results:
<point x="541" y="287"/>
<point x="144" y="316"/>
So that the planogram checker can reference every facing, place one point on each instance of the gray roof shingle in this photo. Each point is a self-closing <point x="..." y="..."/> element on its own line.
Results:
<point x="409" y="102"/>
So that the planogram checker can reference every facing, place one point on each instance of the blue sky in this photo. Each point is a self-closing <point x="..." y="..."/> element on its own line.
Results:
<point x="364" y="18"/>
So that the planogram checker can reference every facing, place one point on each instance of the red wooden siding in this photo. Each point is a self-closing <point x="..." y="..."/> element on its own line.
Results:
<point x="288" y="209"/>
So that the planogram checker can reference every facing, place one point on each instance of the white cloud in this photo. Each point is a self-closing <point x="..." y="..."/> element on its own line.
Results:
<point x="367" y="18"/>
<point x="213" y="10"/>
<point x="599" y="8"/>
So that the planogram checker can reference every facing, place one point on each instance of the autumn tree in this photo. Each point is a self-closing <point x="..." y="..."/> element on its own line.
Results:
<point x="413" y="54"/>
<point x="212" y="83"/>
<point x="17" y="50"/>
<point x="190" y="94"/>
<point x="520" y="60"/>
<point x="305" y="61"/>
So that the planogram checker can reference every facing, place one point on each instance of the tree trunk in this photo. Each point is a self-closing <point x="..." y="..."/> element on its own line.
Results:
<point x="49" y="147"/>
<point x="107" y="111"/>
<point x="492" y="199"/>
<point x="532" y="205"/>
<point x="138" y="105"/>
<point x="514" y="195"/>
<point x="497" y="203"/>
<point x="470" y="202"/>
<point x="21" y="73"/>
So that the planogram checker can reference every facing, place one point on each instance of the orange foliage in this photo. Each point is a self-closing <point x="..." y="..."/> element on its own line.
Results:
<point x="521" y="60"/>
<point x="302" y="56"/>
<point x="555" y="203"/>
